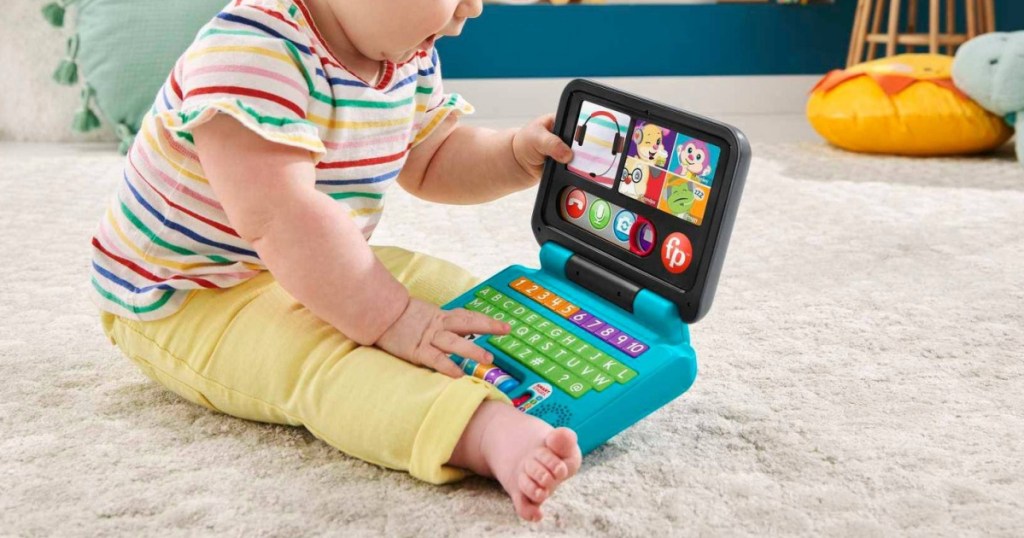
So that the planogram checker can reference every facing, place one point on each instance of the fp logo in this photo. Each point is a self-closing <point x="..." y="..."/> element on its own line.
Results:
<point x="676" y="253"/>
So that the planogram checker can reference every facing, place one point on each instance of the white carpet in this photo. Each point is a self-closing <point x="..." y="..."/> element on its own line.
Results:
<point x="861" y="374"/>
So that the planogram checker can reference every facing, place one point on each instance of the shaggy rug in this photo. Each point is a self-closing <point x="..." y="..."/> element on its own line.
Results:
<point x="861" y="375"/>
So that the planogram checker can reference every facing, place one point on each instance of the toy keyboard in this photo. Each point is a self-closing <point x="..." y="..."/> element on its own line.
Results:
<point x="573" y="359"/>
<point x="633" y="234"/>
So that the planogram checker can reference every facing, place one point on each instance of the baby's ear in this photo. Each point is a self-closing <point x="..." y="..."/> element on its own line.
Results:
<point x="638" y="135"/>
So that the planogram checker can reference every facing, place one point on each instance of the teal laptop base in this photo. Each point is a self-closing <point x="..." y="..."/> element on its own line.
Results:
<point x="663" y="372"/>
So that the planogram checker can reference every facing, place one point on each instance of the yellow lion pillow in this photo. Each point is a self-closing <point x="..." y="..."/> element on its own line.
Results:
<point x="905" y="105"/>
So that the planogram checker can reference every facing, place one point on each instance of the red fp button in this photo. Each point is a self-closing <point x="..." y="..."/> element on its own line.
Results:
<point x="676" y="253"/>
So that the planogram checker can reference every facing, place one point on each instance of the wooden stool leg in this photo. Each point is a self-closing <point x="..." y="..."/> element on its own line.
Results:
<point x="990" y="16"/>
<point x="933" y="26"/>
<point x="971" y="7"/>
<point x="911" y="24"/>
<point x="876" y="25"/>
<point x="859" y="33"/>
<point x="894" y="21"/>
<point x="951" y="24"/>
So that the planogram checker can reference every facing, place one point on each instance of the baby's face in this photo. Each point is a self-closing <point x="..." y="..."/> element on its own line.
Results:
<point x="395" y="29"/>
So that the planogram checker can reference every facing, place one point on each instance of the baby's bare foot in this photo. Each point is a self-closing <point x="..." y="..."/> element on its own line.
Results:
<point x="539" y="471"/>
<point x="529" y="458"/>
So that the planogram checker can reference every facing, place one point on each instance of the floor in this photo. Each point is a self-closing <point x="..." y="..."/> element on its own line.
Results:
<point x="861" y="373"/>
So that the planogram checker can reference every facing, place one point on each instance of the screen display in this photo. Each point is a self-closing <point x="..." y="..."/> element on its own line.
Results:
<point x="670" y="171"/>
<point x="598" y="142"/>
<point x="655" y="165"/>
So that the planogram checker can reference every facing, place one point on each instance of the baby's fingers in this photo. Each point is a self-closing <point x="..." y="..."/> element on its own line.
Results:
<point x="461" y="321"/>
<point x="550" y="145"/>
<point x="441" y="362"/>
<point x="449" y="342"/>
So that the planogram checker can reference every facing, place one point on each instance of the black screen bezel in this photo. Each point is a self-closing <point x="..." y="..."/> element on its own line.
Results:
<point x="692" y="290"/>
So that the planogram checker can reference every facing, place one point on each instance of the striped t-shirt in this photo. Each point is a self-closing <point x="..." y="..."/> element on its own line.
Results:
<point x="263" y="63"/>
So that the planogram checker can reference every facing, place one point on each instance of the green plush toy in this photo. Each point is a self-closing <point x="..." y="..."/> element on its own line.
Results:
<point x="990" y="69"/>
<point x="121" y="53"/>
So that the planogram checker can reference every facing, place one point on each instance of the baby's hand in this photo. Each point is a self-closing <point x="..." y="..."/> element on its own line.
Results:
<point x="534" y="142"/>
<point x="425" y="335"/>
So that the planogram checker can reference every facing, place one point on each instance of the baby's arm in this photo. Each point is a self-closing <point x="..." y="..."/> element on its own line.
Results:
<point x="458" y="164"/>
<point x="315" y="251"/>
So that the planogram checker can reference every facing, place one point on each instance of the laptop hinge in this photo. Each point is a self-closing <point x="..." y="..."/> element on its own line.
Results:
<point x="604" y="283"/>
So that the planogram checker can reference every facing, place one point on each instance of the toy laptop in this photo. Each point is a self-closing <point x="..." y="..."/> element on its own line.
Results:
<point x="633" y="234"/>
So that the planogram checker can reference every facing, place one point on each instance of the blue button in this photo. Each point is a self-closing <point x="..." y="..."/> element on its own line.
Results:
<point x="624" y="221"/>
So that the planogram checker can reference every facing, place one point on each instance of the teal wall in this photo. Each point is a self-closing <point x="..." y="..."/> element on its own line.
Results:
<point x="660" y="40"/>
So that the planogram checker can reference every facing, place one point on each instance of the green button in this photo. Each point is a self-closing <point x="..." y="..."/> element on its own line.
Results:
<point x="561" y="355"/>
<point x="509" y="305"/>
<point x="564" y="380"/>
<point x="596" y="356"/>
<point x="533" y="318"/>
<point x="576" y="365"/>
<point x="478" y="305"/>
<point x="502" y="316"/>
<point x="522" y="331"/>
<point x="547" y="347"/>
<point x="626" y="375"/>
<point x="596" y="377"/>
<point x="485" y="292"/>
<point x="576" y="387"/>
<point x="550" y="329"/>
<point x="537" y="362"/>
<point x="506" y="343"/>
<point x="609" y="365"/>
<point x="582" y="349"/>
<point x="512" y="322"/>
<point x="533" y="339"/>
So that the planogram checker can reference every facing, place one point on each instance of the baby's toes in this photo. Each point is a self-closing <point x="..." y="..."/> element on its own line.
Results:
<point x="527" y="509"/>
<point x="539" y="471"/>
<point x="562" y="441"/>
<point x="554" y="466"/>
<point x="531" y="489"/>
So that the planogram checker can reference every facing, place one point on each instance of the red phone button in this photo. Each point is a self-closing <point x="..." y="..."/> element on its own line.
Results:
<point x="642" y="237"/>
<point x="676" y="253"/>
<point x="575" y="203"/>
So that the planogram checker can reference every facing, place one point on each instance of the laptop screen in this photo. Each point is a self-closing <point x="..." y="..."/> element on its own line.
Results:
<point x="650" y="182"/>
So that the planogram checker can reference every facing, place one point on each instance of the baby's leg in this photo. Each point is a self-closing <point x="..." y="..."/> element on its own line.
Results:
<point x="252" y="351"/>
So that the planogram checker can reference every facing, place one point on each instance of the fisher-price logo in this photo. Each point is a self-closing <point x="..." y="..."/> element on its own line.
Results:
<point x="676" y="253"/>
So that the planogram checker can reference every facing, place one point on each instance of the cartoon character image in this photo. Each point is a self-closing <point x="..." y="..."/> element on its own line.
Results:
<point x="694" y="160"/>
<point x="649" y="141"/>
<point x="655" y="182"/>
<point x="677" y="197"/>
<point x="649" y="150"/>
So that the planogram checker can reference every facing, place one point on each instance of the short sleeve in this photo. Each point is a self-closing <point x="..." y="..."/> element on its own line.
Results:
<point x="252" y="64"/>
<point x="433" y="105"/>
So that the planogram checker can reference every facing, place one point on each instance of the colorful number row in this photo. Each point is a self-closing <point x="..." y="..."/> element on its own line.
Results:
<point x="581" y="318"/>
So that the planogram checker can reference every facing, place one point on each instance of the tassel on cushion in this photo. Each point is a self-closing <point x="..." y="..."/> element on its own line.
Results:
<point x="127" y="137"/>
<point x="86" y="120"/>
<point x="67" y="71"/>
<point x="54" y="13"/>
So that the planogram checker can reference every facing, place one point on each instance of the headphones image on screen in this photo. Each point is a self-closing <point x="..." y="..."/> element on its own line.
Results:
<point x="618" y="143"/>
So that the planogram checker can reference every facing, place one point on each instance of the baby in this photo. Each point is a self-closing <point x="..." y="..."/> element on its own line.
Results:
<point x="233" y="265"/>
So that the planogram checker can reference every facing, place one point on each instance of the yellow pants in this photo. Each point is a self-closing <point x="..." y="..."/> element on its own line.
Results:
<point x="254" y="352"/>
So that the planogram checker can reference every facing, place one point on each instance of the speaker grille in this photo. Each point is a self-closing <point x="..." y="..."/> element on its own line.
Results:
<point x="554" y="414"/>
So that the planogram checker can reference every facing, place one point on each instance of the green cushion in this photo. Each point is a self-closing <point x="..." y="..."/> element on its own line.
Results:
<point x="125" y="50"/>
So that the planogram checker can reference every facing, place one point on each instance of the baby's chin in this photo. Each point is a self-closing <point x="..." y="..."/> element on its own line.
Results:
<point x="424" y="46"/>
